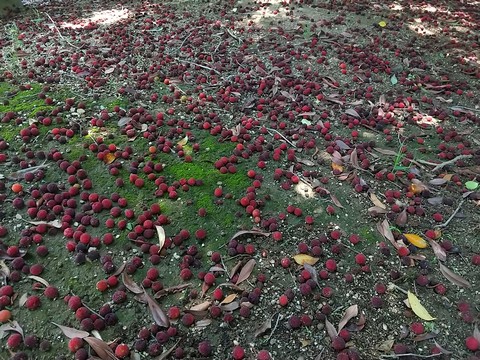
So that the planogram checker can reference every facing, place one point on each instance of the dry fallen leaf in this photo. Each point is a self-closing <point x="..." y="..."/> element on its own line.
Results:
<point x="39" y="279"/>
<point x="267" y="325"/>
<point x="130" y="284"/>
<point x="454" y="278"/>
<point x="302" y="259"/>
<point x="11" y="326"/>
<point x="246" y="271"/>
<point x="416" y="240"/>
<point x="376" y="201"/>
<point x="101" y="348"/>
<point x="161" y="237"/>
<point x="158" y="315"/>
<point x="386" y="345"/>
<point x="109" y="158"/>
<point x="331" y="331"/>
<point x="71" y="332"/>
<point x="438" y="250"/>
<point x="350" y="313"/>
<point x="418" y="308"/>
<point x="228" y="299"/>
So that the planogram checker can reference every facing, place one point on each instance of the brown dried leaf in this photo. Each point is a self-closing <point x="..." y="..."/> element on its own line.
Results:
<point x="336" y="201"/>
<point x="246" y="271"/>
<point x="267" y="325"/>
<point x="4" y="270"/>
<point x="401" y="218"/>
<point x="71" y="332"/>
<point x="354" y="158"/>
<point x="157" y="313"/>
<point x="101" y="348"/>
<point x="350" y="313"/>
<point x="306" y="162"/>
<point x="235" y="269"/>
<point x="131" y="285"/>
<point x="438" y="181"/>
<point x="331" y="331"/>
<point x="384" y="229"/>
<point x="476" y="332"/>
<point x="39" y="279"/>
<point x="454" y="278"/>
<point x="424" y="336"/>
<point x="10" y="326"/>
<point x="386" y="151"/>
<point x="302" y="259"/>
<point x="375" y="211"/>
<point x="164" y="355"/>
<point x="171" y="290"/>
<point x="313" y="273"/>
<point x="55" y="223"/>
<point x="120" y="269"/>
<point x="386" y="345"/>
<point x="231" y="286"/>
<point x="216" y="269"/>
<point x="249" y="232"/>
<point x="228" y="299"/>
<point x="203" y="323"/>
<point x="161" y="237"/>
<point x="438" y="250"/>
<point x="442" y="349"/>
<point x="202" y="306"/>
<point x="341" y="144"/>
<point x="376" y="201"/>
<point x="438" y="200"/>
<point x="109" y="158"/>
<point x="352" y="112"/>
<point x="230" y="307"/>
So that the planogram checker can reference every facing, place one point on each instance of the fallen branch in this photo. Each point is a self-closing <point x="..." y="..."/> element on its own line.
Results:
<point x="451" y="216"/>
<point x="283" y="137"/>
<point x="442" y="165"/>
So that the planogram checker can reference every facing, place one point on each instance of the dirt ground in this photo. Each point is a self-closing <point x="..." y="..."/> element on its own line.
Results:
<point x="240" y="180"/>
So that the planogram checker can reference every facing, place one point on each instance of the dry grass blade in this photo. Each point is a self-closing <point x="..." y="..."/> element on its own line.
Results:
<point x="101" y="348"/>
<point x="350" y="313"/>
<point x="246" y="271"/>
<point x="157" y="313"/>
<point x="72" y="332"/>
<point x="454" y="278"/>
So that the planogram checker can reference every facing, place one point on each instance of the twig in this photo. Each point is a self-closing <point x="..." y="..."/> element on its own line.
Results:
<point x="456" y="158"/>
<point x="233" y="35"/>
<point x="398" y="288"/>
<point x="275" y="327"/>
<point x="396" y="356"/>
<point x="451" y="216"/>
<point x="59" y="33"/>
<point x="199" y="65"/>
<point x="283" y="137"/>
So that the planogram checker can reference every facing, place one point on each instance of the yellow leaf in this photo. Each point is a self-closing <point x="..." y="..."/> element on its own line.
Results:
<point x="109" y="158"/>
<point x="183" y="142"/>
<point x="416" y="240"/>
<point x="418" y="308"/>
<point x="302" y="259"/>
<point x="228" y="299"/>
<point x="337" y="167"/>
<point x="382" y="24"/>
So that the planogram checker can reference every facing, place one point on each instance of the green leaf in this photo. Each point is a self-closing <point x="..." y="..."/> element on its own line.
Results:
<point x="394" y="80"/>
<point x="471" y="185"/>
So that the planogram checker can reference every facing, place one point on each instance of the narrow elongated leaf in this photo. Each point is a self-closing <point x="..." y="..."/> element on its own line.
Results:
<point x="171" y="290"/>
<point x="442" y="349"/>
<point x="437" y="200"/>
<point x="386" y="151"/>
<point x="101" y="348"/>
<point x="331" y="331"/>
<point x="235" y="269"/>
<point x="246" y="271"/>
<point x="228" y="299"/>
<point x="202" y="306"/>
<point x="72" y="332"/>
<point x="375" y="211"/>
<point x="55" y="223"/>
<point x="354" y="158"/>
<point x="39" y="279"/>
<point x="418" y="308"/>
<point x="230" y="307"/>
<point x="165" y="354"/>
<point x="302" y="259"/>
<point x="10" y="326"/>
<point x="401" y="218"/>
<point x="438" y="250"/>
<point x="336" y="201"/>
<point x="352" y="112"/>
<point x="161" y="237"/>
<point x="454" y="278"/>
<point x="313" y="273"/>
<point x="438" y="181"/>
<point x="250" y="232"/>
<point x="341" y="144"/>
<point x="384" y="229"/>
<point x="350" y="313"/>
<point x="130" y="284"/>
<point x="267" y="325"/>
<point x="157" y="313"/>
<point x="476" y="333"/>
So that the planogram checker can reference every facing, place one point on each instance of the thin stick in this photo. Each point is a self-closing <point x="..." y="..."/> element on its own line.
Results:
<point x="199" y="65"/>
<point x="451" y="216"/>
<point x="456" y="158"/>
<point x="283" y="137"/>
<point x="398" y="288"/>
<point x="59" y="33"/>
<point x="275" y="327"/>
<point x="396" y="356"/>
